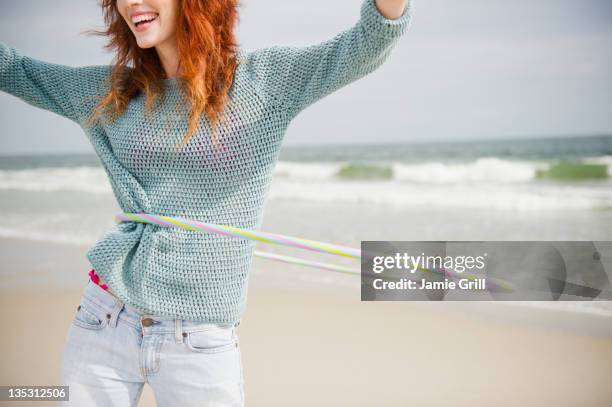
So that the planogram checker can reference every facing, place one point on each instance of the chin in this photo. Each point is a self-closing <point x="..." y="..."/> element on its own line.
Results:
<point x="146" y="44"/>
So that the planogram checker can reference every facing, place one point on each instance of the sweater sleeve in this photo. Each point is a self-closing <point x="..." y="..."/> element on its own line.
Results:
<point x="68" y="91"/>
<point x="296" y="77"/>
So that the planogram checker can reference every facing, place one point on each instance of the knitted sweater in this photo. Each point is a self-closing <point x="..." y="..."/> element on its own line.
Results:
<point x="175" y="272"/>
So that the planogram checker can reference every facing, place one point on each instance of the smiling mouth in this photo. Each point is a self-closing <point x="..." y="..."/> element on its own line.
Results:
<point x="144" y="21"/>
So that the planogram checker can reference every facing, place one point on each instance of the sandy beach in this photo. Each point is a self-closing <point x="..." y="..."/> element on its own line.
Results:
<point x="307" y="347"/>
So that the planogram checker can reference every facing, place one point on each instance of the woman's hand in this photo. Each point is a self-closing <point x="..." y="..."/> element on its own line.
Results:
<point x="391" y="9"/>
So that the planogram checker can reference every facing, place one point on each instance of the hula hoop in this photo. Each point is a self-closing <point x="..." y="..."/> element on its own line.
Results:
<point x="291" y="241"/>
<point x="264" y="237"/>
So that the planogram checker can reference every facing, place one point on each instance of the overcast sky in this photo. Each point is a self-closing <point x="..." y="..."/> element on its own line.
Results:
<point x="468" y="69"/>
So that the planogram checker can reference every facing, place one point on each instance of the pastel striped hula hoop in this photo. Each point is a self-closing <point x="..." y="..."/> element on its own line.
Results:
<point x="273" y="238"/>
<point x="259" y="236"/>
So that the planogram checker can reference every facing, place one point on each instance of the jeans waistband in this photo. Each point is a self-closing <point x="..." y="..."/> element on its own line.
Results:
<point x="113" y="307"/>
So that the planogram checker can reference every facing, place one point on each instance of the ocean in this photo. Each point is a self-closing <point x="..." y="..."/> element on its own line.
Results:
<point x="60" y="197"/>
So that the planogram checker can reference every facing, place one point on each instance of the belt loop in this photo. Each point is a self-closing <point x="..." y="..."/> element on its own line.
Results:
<point x="114" y="315"/>
<point x="178" y="330"/>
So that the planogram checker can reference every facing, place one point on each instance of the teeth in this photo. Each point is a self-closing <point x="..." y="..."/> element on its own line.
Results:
<point x="143" y="17"/>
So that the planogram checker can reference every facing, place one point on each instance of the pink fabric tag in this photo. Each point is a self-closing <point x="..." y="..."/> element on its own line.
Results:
<point x="96" y="279"/>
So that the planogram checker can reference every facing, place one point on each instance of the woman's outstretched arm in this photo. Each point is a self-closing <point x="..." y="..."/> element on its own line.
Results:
<point x="65" y="90"/>
<point x="296" y="77"/>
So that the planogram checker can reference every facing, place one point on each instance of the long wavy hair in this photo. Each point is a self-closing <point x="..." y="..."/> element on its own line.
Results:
<point x="207" y="50"/>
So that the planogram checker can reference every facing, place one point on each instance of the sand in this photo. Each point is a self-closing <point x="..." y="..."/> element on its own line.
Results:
<point x="304" y="346"/>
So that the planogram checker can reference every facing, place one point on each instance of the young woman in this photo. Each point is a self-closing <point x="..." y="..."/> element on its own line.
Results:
<point x="185" y="124"/>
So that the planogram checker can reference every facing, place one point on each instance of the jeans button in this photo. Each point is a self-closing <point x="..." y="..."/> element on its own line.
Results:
<point x="147" y="322"/>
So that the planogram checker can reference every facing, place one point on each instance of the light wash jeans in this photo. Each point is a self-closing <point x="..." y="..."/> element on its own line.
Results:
<point x="112" y="349"/>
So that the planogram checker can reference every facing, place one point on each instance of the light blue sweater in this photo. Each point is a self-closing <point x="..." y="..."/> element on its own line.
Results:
<point x="175" y="272"/>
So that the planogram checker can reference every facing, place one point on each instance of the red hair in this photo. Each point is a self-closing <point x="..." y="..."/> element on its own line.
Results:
<point x="207" y="51"/>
